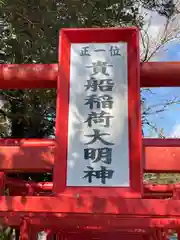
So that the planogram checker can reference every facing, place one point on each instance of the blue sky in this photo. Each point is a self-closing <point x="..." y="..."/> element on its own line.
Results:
<point x="169" y="120"/>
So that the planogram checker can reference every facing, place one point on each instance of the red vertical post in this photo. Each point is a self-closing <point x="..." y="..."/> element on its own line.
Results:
<point x="61" y="236"/>
<point x="58" y="236"/>
<point x="24" y="229"/>
<point x="2" y="182"/>
<point x="50" y="234"/>
<point x="159" y="234"/>
<point x="33" y="234"/>
<point x="31" y="191"/>
<point x="178" y="234"/>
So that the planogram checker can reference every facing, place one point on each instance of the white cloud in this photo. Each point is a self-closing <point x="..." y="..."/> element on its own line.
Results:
<point x="175" y="131"/>
<point x="157" y="24"/>
<point x="152" y="33"/>
<point x="159" y="31"/>
<point x="153" y="21"/>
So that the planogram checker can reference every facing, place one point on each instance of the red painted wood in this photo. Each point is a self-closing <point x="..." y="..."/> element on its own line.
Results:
<point x="178" y="235"/>
<point x="159" y="74"/>
<point x="134" y="112"/>
<point x="62" y="105"/>
<point x="160" y="188"/>
<point x="101" y="236"/>
<point x="61" y="236"/>
<point x="94" y="204"/>
<point x="2" y="182"/>
<point x="98" y="222"/>
<point x="28" y="76"/>
<point x="40" y="186"/>
<point x="24" y="229"/>
<point x="50" y="234"/>
<point x="69" y="36"/>
<point x="165" y="190"/>
<point x="152" y="74"/>
<point x="33" y="234"/>
<point x="157" y="151"/>
<point x="18" y="156"/>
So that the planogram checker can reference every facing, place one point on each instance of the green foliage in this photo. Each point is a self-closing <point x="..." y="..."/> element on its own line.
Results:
<point x="5" y="233"/>
<point x="162" y="178"/>
<point x="32" y="28"/>
<point x="31" y="113"/>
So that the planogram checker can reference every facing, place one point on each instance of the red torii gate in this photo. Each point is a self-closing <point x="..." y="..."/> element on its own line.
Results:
<point x="148" y="217"/>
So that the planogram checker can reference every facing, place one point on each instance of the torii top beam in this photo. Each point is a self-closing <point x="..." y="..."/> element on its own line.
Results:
<point x="19" y="76"/>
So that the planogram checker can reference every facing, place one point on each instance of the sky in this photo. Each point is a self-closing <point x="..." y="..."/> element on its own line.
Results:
<point x="168" y="120"/>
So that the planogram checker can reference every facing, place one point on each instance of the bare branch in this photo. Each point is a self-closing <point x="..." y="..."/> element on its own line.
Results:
<point x="169" y="30"/>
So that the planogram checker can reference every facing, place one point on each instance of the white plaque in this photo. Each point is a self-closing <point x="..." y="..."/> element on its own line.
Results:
<point x="98" y="144"/>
